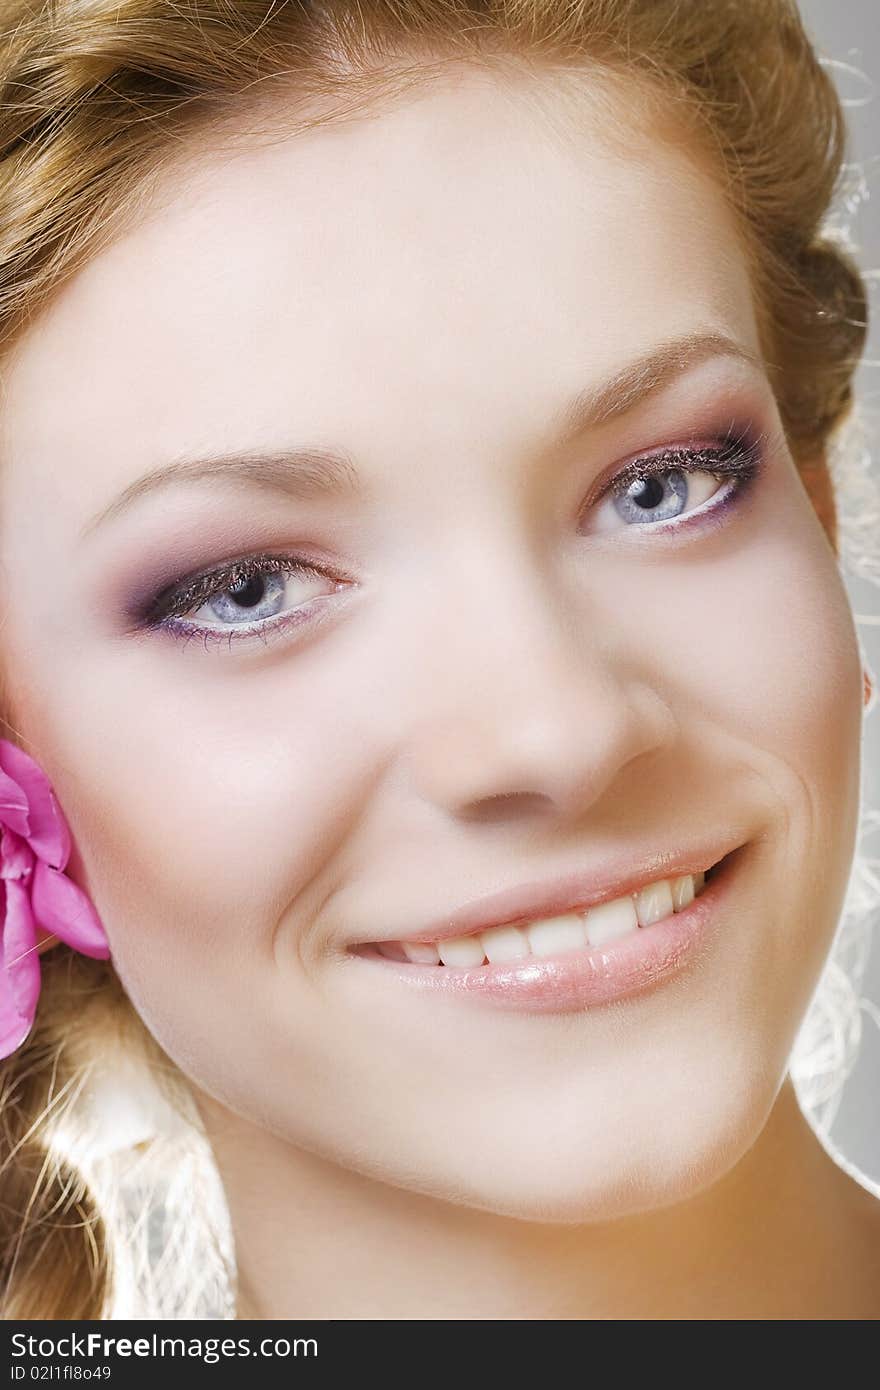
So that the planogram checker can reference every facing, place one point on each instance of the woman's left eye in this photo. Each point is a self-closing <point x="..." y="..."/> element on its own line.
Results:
<point x="664" y="486"/>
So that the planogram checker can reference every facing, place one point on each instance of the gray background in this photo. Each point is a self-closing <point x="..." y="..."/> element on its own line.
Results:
<point x="847" y="35"/>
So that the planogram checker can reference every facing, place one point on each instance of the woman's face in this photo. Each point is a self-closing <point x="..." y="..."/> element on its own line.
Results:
<point x="497" y="673"/>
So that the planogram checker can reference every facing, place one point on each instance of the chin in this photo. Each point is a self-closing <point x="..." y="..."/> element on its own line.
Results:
<point x="584" y="1172"/>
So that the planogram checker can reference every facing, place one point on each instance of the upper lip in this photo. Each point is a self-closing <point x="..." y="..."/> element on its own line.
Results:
<point x="573" y="892"/>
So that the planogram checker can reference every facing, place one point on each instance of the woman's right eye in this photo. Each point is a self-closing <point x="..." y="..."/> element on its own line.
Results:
<point x="245" y="599"/>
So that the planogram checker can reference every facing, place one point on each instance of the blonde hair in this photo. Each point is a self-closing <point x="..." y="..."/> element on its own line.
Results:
<point x="97" y="97"/>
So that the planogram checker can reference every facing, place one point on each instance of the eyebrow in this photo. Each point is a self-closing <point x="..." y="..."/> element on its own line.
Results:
<point x="302" y="474"/>
<point x="647" y="374"/>
<point x="310" y="472"/>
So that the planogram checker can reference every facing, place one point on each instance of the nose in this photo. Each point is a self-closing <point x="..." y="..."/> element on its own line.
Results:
<point x="523" y="710"/>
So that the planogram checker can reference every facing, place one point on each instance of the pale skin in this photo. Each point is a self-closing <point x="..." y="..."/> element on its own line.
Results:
<point x="505" y="691"/>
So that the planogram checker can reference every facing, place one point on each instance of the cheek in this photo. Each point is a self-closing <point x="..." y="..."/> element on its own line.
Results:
<point x="773" y="698"/>
<point x="204" y="807"/>
<point x="763" y="659"/>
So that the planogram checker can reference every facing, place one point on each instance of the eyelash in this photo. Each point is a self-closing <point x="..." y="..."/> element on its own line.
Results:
<point x="173" y="603"/>
<point x="736" y="459"/>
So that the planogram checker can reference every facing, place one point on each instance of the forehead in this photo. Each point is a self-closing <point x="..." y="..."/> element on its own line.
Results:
<point x="435" y="260"/>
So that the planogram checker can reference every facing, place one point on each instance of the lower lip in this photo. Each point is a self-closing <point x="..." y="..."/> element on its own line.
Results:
<point x="633" y="965"/>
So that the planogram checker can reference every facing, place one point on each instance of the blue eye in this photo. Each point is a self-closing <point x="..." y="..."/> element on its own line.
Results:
<point x="254" y="597"/>
<point x="653" y="499"/>
<point x="251" y="597"/>
<point x="261" y="597"/>
<point x="673" y="483"/>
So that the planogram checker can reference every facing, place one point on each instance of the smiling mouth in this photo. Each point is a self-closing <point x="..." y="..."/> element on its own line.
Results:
<point x="569" y="932"/>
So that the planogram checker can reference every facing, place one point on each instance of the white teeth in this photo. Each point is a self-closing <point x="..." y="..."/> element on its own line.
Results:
<point x="461" y="950"/>
<point x="654" y="903"/>
<point x="608" y="921"/>
<point x="504" y="943"/>
<point x="553" y="935"/>
<point x="422" y="952"/>
<point x="682" y="891"/>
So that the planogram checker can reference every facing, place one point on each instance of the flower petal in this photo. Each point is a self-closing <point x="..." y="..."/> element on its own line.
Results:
<point x="16" y="855"/>
<point x="20" y="979"/>
<point x="13" y="1028"/>
<point x="61" y="906"/>
<point x="48" y="835"/>
<point x="20" y="958"/>
<point x="13" y="805"/>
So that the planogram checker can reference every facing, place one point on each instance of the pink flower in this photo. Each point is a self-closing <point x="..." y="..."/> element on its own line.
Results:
<point x="34" y="890"/>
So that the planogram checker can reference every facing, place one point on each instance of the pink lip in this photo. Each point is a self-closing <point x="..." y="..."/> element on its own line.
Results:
<point x="572" y="893"/>
<point x="581" y="979"/>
